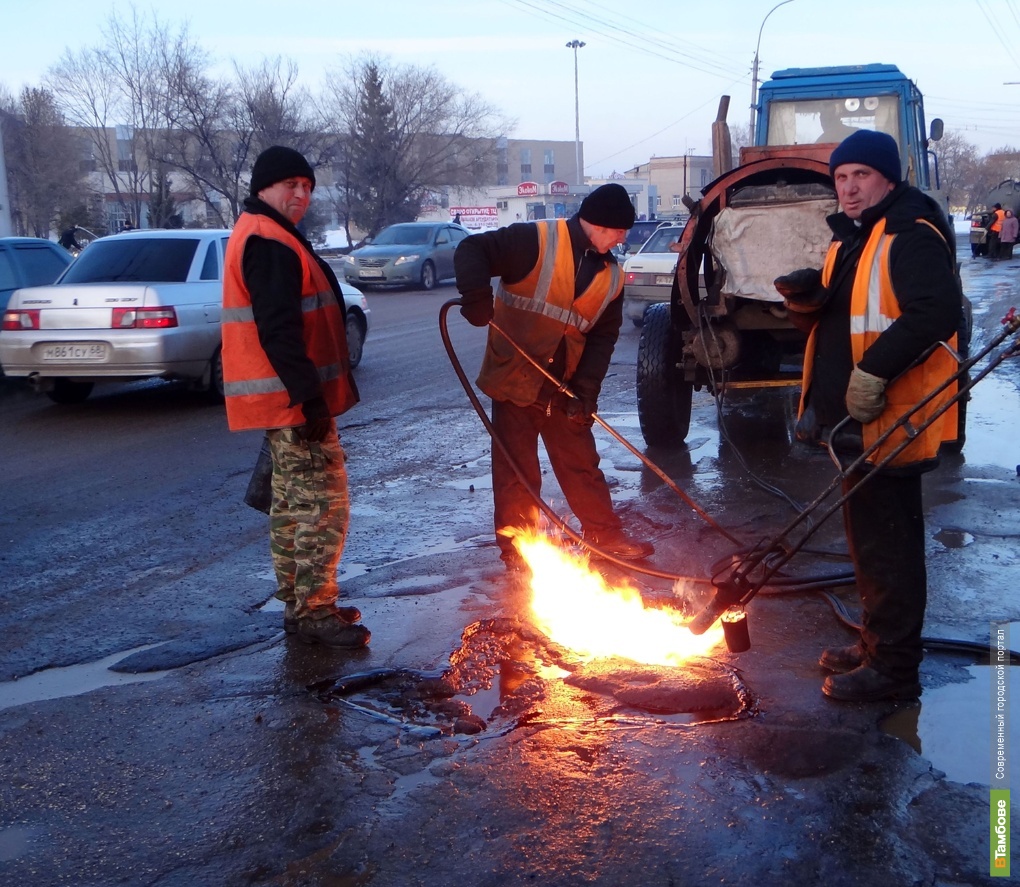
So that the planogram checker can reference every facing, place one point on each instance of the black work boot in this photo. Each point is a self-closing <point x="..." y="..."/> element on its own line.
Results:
<point x="331" y="631"/>
<point x="842" y="659"/>
<point x="619" y="544"/>
<point x="346" y="614"/>
<point x="864" y="684"/>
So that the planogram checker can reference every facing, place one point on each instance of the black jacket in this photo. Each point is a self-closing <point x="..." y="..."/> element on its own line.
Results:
<point x="510" y="253"/>
<point x="272" y="273"/>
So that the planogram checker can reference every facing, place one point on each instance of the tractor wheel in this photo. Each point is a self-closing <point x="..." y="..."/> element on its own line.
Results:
<point x="664" y="399"/>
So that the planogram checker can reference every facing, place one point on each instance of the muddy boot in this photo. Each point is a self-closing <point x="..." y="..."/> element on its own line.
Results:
<point x="346" y="614"/>
<point x="864" y="684"/>
<point x="619" y="544"/>
<point x="331" y="631"/>
<point x="842" y="659"/>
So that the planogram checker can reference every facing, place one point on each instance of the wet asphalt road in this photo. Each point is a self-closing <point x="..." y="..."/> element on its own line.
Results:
<point x="126" y="543"/>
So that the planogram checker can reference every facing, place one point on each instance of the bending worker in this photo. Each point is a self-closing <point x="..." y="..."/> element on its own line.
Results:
<point x="557" y="296"/>
<point x="286" y="370"/>
<point x="888" y="291"/>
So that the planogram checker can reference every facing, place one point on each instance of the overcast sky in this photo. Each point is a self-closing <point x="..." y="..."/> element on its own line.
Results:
<point x="650" y="75"/>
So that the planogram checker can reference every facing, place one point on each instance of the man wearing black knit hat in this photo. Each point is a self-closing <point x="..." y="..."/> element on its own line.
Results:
<point x="887" y="293"/>
<point x="558" y="297"/>
<point x="286" y="370"/>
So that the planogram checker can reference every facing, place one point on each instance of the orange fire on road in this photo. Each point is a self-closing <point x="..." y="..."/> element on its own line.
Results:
<point x="577" y="608"/>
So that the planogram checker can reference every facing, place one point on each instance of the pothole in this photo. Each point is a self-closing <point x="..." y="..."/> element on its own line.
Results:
<point x="506" y="674"/>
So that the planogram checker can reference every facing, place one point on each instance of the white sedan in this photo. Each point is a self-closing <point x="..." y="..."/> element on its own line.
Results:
<point x="138" y="305"/>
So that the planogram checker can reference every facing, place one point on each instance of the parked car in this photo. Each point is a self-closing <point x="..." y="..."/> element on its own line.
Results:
<point x="409" y="254"/>
<point x="636" y="237"/>
<point x="29" y="261"/>
<point x="137" y="305"/>
<point x="979" y="223"/>
<point x="648" y="274"/>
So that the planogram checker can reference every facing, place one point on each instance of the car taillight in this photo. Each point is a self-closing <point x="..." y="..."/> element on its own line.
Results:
<point x="21" y="320"/>
<point x="144" y="318"/>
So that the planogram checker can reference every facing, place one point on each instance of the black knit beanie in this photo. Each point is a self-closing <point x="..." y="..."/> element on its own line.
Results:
<point x="870" y="148"/>
<point x="608" y="206"/>
<point x="276" y="164"/>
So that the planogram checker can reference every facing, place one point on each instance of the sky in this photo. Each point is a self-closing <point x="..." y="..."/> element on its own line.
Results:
<point x="649" y="77"/>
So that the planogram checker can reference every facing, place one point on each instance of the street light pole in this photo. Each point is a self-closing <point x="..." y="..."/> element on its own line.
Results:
<point x="576" y="45"/>
<point x="754" y="69"/>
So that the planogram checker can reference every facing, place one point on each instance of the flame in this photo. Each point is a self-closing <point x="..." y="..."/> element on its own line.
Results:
<point x="577" y="608"/>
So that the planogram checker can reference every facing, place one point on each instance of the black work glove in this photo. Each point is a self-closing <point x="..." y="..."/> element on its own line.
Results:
<point x="318" y="422"/>
<point x="802" y="290"/>
<point x="477" y="313"/>
<point x="581" y="410"/>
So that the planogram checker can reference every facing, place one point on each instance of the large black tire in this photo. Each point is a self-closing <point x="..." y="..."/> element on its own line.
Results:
<point x="428" y="276"/>
<point x="355" y="338"/>
<point x="67" y="391"/>
<point x="664" y="399"/>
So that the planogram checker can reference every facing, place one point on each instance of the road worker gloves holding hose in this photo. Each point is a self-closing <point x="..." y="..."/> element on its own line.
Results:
<point x="803" y="293"/>
<point x="865" y="396"/>
<point x="477" y="308"/>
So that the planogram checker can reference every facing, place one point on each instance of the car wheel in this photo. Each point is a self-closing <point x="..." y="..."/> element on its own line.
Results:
<point x="355" y="338"/>
<point x="67" y="391"/>
<point x="216" y="376"/>
<point x="428" y="276"/>
<point x="664" y="399"/>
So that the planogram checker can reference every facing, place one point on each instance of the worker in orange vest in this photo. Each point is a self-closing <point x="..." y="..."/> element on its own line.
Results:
<point x="995" y="231"/>
<point x="286" y="369"/>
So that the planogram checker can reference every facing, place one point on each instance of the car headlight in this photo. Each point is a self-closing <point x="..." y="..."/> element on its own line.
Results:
<point x="347" y="260"/>
<point x="403" y="260"/>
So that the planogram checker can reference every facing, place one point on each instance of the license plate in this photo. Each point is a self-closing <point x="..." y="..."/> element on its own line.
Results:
<point x="67" y="352"/>
<point x="369" y="272"/>
<point x="663" y="279"/>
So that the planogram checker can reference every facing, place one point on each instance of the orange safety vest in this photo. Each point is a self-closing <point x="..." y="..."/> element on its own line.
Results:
<point x="255" y="396"/>
<point x="873" y="308"/>
<point x="538" y="312"/>
<point x="998" y="216"/>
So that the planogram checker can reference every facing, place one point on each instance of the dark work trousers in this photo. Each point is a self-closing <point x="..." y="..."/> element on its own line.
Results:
<point x="884" y="523"/>
<point x="574" y="460"/>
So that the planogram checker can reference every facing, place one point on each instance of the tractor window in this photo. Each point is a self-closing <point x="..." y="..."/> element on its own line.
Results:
<point x="831" y="120"/>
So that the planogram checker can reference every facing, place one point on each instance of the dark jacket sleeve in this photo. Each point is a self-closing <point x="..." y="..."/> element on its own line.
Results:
<point x="509" y="253"/>
<point x="600" y="341"/>
<point x="924" y="280"/>
<point x="272" y="273"/>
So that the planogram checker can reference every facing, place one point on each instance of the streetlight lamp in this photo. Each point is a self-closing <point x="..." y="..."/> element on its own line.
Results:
<point x="754" y="70"/>
<point x="576" y="45"/>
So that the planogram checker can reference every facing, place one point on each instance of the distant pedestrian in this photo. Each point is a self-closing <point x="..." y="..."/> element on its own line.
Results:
<point x="995" y="231"/>
<point x="1008" y="235"/>
<point x="286" y="370"/>
<point x="456" y="219"/>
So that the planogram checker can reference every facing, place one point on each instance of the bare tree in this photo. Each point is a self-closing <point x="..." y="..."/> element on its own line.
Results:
<point x="119" y="95"/>
<point x="956" y="163"/>
<point x="43" y="171"/>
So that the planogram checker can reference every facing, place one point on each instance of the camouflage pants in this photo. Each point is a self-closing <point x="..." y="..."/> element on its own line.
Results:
<point x="308" y="518"/>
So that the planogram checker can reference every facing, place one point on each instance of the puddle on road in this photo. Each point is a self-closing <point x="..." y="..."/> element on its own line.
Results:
<point x="73" y="680"/>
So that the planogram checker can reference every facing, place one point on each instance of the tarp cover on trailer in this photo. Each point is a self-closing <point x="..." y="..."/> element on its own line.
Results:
<point x="756" y="244"/>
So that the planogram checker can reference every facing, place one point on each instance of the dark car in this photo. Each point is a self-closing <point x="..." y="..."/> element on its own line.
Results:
<point x="29" y="261"/>
<point x="407" y="254"/>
